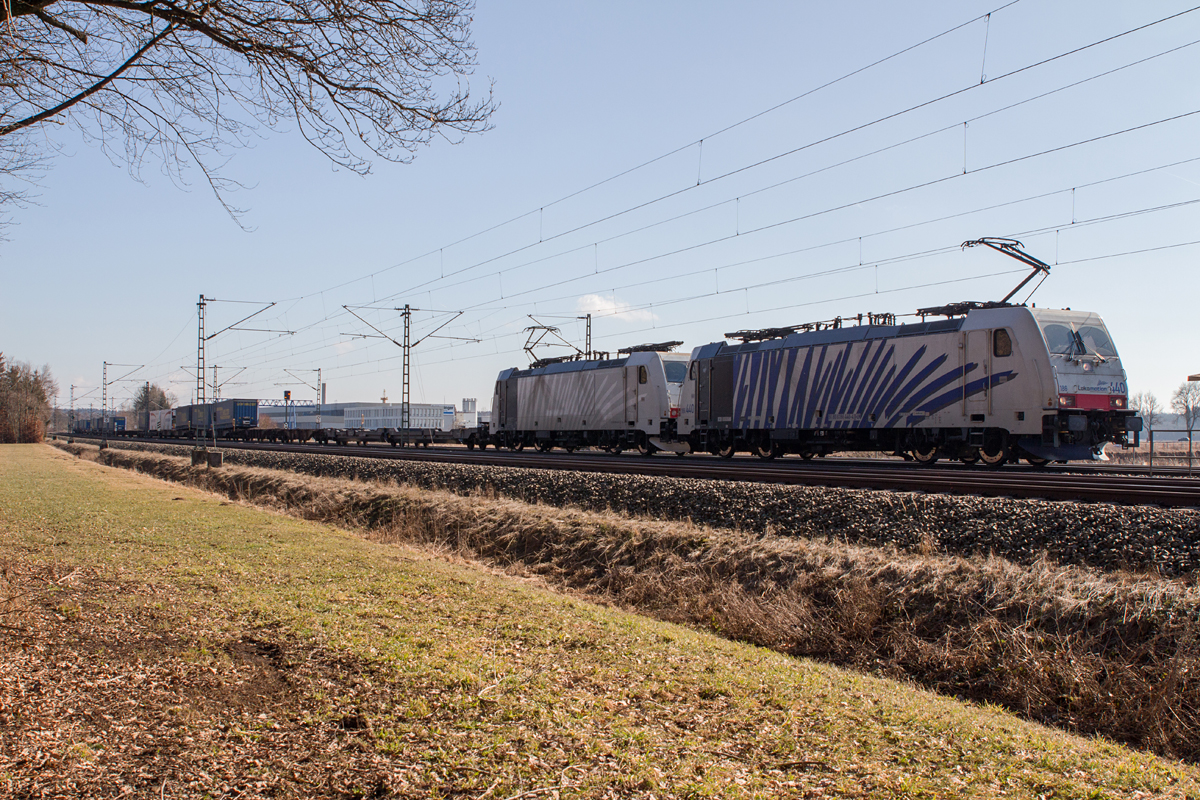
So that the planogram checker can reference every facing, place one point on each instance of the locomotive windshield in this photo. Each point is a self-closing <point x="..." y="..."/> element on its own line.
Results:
<point x="1078" y="338"/>
<point x="676" y="371"/>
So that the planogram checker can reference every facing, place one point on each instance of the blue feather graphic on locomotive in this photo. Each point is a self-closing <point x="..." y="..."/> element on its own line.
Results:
<point x="857" y="400"/>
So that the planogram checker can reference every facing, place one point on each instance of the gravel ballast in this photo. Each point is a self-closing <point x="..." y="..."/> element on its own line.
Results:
<point x="1100" y="535"/>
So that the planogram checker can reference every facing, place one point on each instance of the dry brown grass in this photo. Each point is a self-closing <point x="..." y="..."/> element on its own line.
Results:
<point x="13" y="598"/>
<point x="1114" y="654"/>
<point x="1166" y="453"/>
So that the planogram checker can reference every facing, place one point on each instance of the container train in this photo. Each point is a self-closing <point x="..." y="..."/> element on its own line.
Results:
<point x="238" y="420"/>
<point x="991" y="382"/>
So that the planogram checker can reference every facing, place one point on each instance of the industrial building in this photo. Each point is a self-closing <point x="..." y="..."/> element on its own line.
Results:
<point x="422" y="416"/>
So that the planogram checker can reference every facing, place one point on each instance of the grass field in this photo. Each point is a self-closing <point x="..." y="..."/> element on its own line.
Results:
<point x="158" y="641"/>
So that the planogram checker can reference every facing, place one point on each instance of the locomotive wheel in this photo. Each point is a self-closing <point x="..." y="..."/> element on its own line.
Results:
<point x="1035" y="461"/>
<point x="726" y="450"/>
<point x="517" y="446"/>
<point x="544" y="447"/>
<point x="766" y="451"/>
<point x="807" y="455"/>
<point x="970" y="458"/>
<point x="646" y="449"/>
<point x="994" y="456"/>
<point x="925" y="453"/>
<point x="470" y="444"/>
<point x="570" y="448"/>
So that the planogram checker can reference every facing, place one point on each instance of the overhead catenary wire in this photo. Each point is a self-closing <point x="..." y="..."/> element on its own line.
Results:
<point x="682" y="148"/>
<point x="896" y="259"/>
<point x="878" y="151"/>
<point x="1028" y="66"/>
<point x="262" y="347"/>
<point x="859" y="202"/>
<point x="806" y="146"/>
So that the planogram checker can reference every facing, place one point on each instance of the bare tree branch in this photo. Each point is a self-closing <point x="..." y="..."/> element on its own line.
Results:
<point x="70" y="101"/>
<point x="360" y="79"/>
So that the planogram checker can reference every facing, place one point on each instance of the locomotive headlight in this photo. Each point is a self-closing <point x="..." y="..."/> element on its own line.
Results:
<point x="1116" y="401"/>
<point x="1066" y="401"/>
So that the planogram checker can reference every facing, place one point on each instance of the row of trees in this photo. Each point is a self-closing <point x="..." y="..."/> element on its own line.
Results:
<point x="1185" y="402"/>
<point x="25" y="395"/>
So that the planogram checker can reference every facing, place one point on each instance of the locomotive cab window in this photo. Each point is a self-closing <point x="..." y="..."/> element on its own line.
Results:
<point x="1060" y="339"/>
<point x="694" y="365"/>
<point x="643" y="375"/>
<point x="1096" y="340"/>
<point x="676" y="371"/>
<point x="1001" y="343"/>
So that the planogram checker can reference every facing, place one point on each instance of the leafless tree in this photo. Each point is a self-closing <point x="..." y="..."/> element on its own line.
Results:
<point x="1186" y="403"/>
<point x="182" y="82"/>
<point x="148" y="397"/>
<point x="25" y="395"/>
<point x="1148" y="407"/>
<point x="152" y="397"/>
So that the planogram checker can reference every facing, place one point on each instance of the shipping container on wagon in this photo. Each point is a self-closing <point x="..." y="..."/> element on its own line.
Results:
<point x="229" y="415"/>
<point x="162" y="421"/>
<point x="182" y="420"/>
<point x="192" y="418"/>
<point x="201" y="416"/>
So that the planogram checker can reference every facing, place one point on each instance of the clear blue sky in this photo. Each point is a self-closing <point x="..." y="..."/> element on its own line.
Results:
<point x="104" y="268"/>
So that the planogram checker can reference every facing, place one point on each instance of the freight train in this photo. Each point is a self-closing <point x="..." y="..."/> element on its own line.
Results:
<point x="990" y="382"/>
<point x="982" y="382"/>
<point x="238" y="420"/>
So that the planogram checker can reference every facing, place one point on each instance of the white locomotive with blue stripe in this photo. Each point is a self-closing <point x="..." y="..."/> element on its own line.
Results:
<point x="995" y="384"/>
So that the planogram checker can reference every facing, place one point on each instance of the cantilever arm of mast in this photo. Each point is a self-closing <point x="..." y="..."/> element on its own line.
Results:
<point x="127" y="374"/>
<point x="439" y="327"/>
<point x="240" y="321"/>
<point x="372" y="327"/>
<point x="429" y="335"/>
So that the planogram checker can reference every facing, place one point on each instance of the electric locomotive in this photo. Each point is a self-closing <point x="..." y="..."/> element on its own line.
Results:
<point x="626" y="403"/>
<point x="992" y="382"/>
<point x="995" y="384"/>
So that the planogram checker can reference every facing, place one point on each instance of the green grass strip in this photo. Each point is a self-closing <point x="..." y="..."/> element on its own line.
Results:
<point x="474" y="684"/>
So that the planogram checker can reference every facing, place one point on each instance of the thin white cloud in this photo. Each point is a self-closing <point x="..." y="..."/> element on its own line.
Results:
<point x="609" y="306"/>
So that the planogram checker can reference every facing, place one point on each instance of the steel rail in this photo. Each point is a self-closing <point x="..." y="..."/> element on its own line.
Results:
<point x="1066" y="483"/>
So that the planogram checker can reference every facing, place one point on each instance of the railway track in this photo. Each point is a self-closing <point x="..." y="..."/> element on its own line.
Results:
<point x="1089" y="483"/>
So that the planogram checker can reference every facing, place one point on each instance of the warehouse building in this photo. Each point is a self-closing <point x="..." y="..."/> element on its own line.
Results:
<point x="422" y="416"/>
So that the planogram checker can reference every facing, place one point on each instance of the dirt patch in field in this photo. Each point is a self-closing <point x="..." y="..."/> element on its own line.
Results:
<point x="107" y="690"/>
